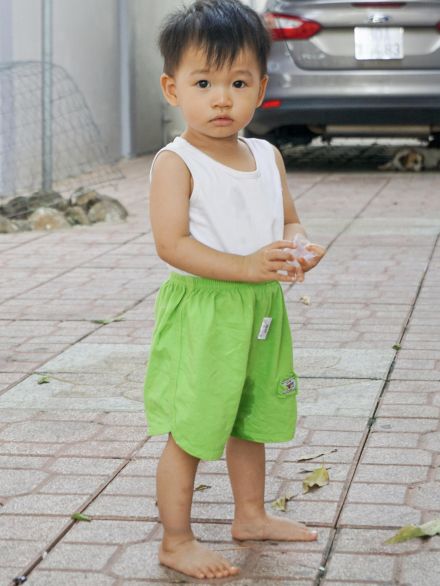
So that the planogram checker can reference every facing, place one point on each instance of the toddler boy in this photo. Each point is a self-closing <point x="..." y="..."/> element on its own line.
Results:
<point x="220" y="371"/>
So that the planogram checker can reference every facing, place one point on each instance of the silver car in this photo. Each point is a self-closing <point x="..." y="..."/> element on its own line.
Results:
<point x="351" y="69"/>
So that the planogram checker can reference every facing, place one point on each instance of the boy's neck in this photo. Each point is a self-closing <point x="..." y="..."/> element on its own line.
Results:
<point x="208" y="143"/>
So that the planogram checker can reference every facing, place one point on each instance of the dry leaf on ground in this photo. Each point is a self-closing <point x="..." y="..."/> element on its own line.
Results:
<point x="428" y="529"/>
<point x="202" y="487"/>
<point x="43" y="379"/>
<point x="313" y="456"/>
<point x="80" y="517"/>
<point x="317" y="478"/>
<point x="307" y="470"/>
<point x="105" y="322"/>
<point x="281" y="503"/>
<point x="305" y="299"/>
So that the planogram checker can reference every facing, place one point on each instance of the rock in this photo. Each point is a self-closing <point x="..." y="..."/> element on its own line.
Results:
<point x="117" y="203"/>
<point x="107" y="210"/>
<point x="44" y="211"/>
<point x="76" y="215"/>
<point x="48" y="219"/>
<point x="51" y="199"/>
<point x="17" y="208"/>
<point x="22" y="225"/>
<point x="84" y="197"/>
<point x="6" y="226"/>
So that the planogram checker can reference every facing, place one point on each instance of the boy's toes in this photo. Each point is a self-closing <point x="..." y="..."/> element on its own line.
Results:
<point x="212" y="572"/>
<point x="225" y="571"/>
<point x="219" y="571"/>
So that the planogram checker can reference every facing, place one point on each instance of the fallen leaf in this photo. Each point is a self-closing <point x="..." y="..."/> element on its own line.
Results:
<point x="306" y="470"/>
<point x="313" y="456"/>
<point x="80" y="517"/>
<point x="412" y="531"/>
<point x="318" y="477"/>
<point x="405" y="533"/>
<point x="43" y="379"/>
<point x="281" y="503"/>
<point x="305" y="299"/>
<point x="431" y="528"/>
<point x="202" y="487"/>
<point x="104" y="322"/>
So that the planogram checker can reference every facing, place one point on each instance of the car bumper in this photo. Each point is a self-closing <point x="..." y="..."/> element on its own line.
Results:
<point x="420" y="110"/>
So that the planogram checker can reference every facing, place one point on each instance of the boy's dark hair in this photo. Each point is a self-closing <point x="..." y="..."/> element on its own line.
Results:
<point x="219" y="27"/>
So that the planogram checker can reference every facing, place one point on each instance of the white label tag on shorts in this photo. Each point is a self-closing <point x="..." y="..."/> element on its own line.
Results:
<point x="265" y="325"/>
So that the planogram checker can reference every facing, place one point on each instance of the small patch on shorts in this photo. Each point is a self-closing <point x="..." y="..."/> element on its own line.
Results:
<point x="288" y="386"/>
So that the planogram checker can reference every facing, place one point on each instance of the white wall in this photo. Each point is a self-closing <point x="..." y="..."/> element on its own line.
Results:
<point x="121" y="88"/>
<point x="147" y="102"/>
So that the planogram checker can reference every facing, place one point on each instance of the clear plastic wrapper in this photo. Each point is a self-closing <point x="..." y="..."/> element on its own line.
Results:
<point x="299" y="252"/>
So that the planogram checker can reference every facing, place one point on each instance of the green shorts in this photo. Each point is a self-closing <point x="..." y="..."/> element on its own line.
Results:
<point x="220" y="365"/>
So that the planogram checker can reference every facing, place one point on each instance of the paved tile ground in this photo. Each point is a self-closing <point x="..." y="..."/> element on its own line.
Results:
<point x="368" y="412"/>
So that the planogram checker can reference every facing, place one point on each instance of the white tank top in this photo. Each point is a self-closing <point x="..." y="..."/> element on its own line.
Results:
<point x="233" y="211"/>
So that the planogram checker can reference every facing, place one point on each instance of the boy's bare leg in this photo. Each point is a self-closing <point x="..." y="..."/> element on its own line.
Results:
<point x="179" y="549"/>
<point x="246" y="465"/>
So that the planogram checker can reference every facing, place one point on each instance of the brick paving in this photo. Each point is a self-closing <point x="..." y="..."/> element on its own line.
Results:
<point x="80" y="443"/>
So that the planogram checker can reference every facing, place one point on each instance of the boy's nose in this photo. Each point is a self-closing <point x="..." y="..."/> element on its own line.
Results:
<point x="222" y="98"/>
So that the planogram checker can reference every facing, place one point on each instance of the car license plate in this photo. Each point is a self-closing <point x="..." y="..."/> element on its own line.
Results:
<point x="378" y="43"/>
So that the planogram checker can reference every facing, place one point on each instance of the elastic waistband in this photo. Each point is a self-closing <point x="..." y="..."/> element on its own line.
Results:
<point x="197" y="283"/>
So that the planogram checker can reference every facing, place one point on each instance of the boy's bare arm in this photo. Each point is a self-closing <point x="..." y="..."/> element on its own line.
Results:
<point x="169" y="211"/>
<point x="292" y="223"/>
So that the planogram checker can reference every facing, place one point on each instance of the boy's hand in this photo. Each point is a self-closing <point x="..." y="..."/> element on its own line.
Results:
<point x="264" y="264"/>
<point x="318" y="253"/>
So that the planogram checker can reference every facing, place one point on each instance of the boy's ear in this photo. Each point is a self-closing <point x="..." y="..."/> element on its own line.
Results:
<point x="168" y="86"/>
<point x="261" y="93"/>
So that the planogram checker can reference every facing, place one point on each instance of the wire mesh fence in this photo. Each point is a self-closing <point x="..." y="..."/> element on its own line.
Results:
<point x="80" y="156"/>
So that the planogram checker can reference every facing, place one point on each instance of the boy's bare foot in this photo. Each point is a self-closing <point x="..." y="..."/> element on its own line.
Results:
<point x="275" y="528"/>
<point x="194" y="559"/>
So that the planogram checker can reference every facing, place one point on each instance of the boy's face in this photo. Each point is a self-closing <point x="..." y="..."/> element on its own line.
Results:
<point x="216" y="103"/>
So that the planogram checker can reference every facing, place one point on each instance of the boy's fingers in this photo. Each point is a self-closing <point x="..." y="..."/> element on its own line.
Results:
<point x="282" y="244"/>
<point x="280" y="255"/>
<point x="299" y="274"/>
<point x="317" y="249"/>
<point x="282" y="266"/>
<point x="284" y="278"/>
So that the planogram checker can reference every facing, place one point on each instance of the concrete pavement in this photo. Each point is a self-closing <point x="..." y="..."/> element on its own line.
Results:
<point x="78" y="443"/>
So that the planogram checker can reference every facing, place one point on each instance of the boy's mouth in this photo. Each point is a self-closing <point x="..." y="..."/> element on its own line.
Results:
<point x="222" y="120"/>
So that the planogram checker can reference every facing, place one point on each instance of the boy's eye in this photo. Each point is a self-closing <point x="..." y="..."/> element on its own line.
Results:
<point x="239" y="83"/>
<point x="203" y="83"/>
